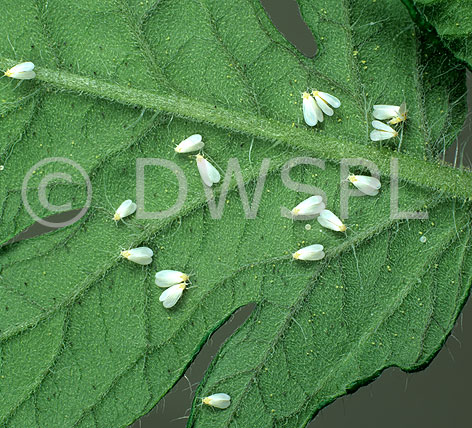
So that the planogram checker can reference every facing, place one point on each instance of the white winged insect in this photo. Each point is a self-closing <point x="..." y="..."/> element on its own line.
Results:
<point x="171" y="295"/>
<point x="382" y="131"/>
<point x="193" y="143"/>
<point x="126" y="208"/>
<point x="311" y="112"/>
<point x="395" y="114"/>
<point x="208" y="172"/>
<point x="324" y="101"/>
<point x="331" y="221"/>
<point x="167" y="278"/>
<point x="140" y="255"/>
<point x="23" y="71"/>
<point x="310" y="206"/>
<point x="312" y="252"/>
<point x="367" y="185"/>
<point x="220" y="400"/>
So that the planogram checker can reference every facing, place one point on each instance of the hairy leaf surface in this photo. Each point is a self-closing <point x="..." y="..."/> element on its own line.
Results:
<point x="452" y="20"/>
<point x="85" y="341"/>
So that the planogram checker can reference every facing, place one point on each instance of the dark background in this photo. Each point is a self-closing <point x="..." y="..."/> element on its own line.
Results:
<point x="437" y="397"/>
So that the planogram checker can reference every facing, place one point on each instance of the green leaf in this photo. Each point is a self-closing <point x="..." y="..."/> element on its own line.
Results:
<point x="84" y="339"/>
<point x="450" y="20"/>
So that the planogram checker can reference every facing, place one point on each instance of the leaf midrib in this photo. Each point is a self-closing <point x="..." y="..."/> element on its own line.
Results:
<point x="455" y="183"/>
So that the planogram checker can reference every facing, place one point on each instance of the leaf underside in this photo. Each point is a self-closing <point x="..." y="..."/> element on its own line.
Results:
<point x="85" y="341"/>
<point x="452" y="21"/>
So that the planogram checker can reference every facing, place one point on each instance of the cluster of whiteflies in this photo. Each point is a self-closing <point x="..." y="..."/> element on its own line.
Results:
<point x="394" y="115"/>
<point x="174" y="282"/>
<point x="314" y="205"/>
<point x="208" y="172"/>
<point x="140" y="255"/>
<point x="315" y="104"/>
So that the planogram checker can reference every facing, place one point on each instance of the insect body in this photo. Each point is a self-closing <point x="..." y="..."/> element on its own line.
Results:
<point x="208" y="172"/>
<point x="310" y="206"/>
<point x="172" y="295"/>
<point x="127" y="208"/>
<point x="367" y="185"/>
<point x="23" y="71"/>
<point x="312" y="252"/>
<point x="167" y="278"/>
<point x="220" y="400"/>
<point x="190" y="144"/>
<point x="396" y="114"/>
<point x="140" y="255"/>
<point x="331" y="221"/>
